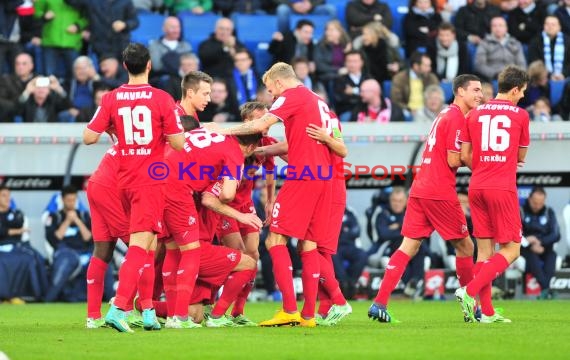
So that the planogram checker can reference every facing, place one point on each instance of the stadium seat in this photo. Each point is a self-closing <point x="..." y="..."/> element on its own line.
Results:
<point x="447" y="88"/>
<point x="197" y="28"/>
<point x="254" y="29"/>
<point x="386" y="88"/>
<point x="340" y="10"/>
<point x="556" y="91"/>
<point x="398" y="13"/>
<point x="150" y="28"/>
<point x="471" y="50"/>
<point x="320" y="22"/>
<point x="262" y="58"/>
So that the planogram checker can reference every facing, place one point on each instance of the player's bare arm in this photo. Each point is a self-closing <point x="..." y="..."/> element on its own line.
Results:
<point x="229" y="189"/>
<point x="213" y="203"/>
<point x="466" y="154"/>
<point x="336" y="144"/>
<point x="251" y="127"/>
<point x="277" y="149"/>
<point x="90" y="137"/>
<point x="522" y="156"/>
<point x="454" y="159"/>
<point x="176" y="141"/>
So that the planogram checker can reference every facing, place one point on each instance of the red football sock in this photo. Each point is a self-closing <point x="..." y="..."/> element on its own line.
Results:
<point x="95" y="281"/>
<point x="129" y="275"/>
<point x="146" y="282"/>
<point x="130" y="305"/>
<point x="394" y="270"/>
<point x="242" y="296"/>
<point x="310" y="277"/>
<point x="325" y="302"/>
<point x="160" y="308"/>
<point x="489" y="271"/>
<point x="158" y="284"/>
<point x="283" y="272"/>
<point x="169" y="268"/>
<point x="464" y="269"/>
<point x="186" y="279"/>
<point x="233" y="285"/>
<point x="484" y="294"/>
<point x="328" y="280"/>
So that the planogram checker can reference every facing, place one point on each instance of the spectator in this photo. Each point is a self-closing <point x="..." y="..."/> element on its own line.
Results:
<point x="148" y="5"/>
<point x="196" y="7"/>
<point x="86" y="114"/>
<point x="347" y="87"/>
<point x="113" y="74"/>
<point x="220" y="109"/>
<point x="349" y="252"/>
<point x="373" y="108"/>
<point x="110" y="24"/>
<point x="409" y="84"/>
<point x="229" y="7"/>
<point x="389" y="226"/>
<point x="301" y="7"/>
<point x="302" y="68"/>
<point x="42" y="100"/>
<point x="216" y="53"/>
<point x="61" y="36"/>
<point x="552" y="46"/>
<point x="13" y="84"/>
<point x="361" y="12"/>
<point x="488" y="92"/>
<point x="473" y="21"/>
<point x="541" y="111"/>
<point x="537" y="86"/>
<point x="379" y="46"/>
<point x="451" y="55"/>
<point x="420" y="27"/>
<point x="526" y="20"/>
<point x="68" y="231"/>
<point x="505" y="5"/>
<point x="540" y="228"/>
<point x="448" y="8"/>
<point x="165" y="52"/>
<point x="22" y="269"/>
<point x="563" y="14"/>
<point x="329" y="54"/>
<point x="245" y="80"/>
<point x="434" y="100"/>
<point x="188" y="62"/>
<point x="80" y="88"/>
<point x="498" y="50"/>
<point x="288" y="45"/>
<point x="564" y="105"/>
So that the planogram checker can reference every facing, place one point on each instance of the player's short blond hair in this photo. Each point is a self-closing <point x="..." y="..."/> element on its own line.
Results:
<point x="279" y="70"/>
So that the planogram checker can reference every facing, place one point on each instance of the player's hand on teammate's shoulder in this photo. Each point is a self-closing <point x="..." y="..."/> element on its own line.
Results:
<point x="318" y="133"/>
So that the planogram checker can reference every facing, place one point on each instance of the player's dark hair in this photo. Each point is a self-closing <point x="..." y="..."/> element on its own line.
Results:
<point x="462" y="81"/>
<point x="304" y="22"/>
<point x="249" y="107"/>
<point x="537" y="190"/>
<point x="135" y="58"/>
<point x="189" y="122"/>
<point x="68" y="190"/>
<point x="252" y="139"/>
<point x="512" y="77"/>
<point x="192" y="80"/>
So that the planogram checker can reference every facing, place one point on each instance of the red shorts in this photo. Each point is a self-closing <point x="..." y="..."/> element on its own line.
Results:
<point x="181" y="220"/>
<point x="302" y="210"/>
<point x="108" y="218"/>
<point x="227" y="225"/>
<point x="331" y="244"/>
<point x="423" y="216"/>
<point x="216" y="263"/>
<point x="202" y="293"/>
<point x="143" y="206"/>
<point x="496" y="215"/>
<point x="209" y="220"/>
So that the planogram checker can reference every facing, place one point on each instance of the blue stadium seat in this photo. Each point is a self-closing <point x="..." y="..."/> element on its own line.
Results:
<point x="254" y="29"/>
<point x="556" y="91"/>
<point x="150" y="28"/>
<point x="197" y="28"/>
<point x="263" y="58"/>
<point x="340" y="10"/>
<point x="447" y="88"/>
<point x="471" y="50"/>
<point x="386" y="88"/>
<point x="399" y="10"/>
<point x="320" y="22"/>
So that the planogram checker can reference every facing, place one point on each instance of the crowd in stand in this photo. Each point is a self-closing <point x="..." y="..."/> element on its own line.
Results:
<point x="58" y="57"/>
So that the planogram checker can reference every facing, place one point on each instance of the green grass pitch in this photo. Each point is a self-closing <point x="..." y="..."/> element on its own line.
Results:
<point x="429" y="330"/>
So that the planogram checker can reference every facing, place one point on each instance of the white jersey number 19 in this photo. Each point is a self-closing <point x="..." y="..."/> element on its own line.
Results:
<point x="137" y="124"/>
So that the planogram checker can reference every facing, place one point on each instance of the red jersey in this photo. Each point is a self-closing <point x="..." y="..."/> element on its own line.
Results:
<point x="435" y="179"/>
<point x="496" y="131"/>
<point x="106" y="172"/>
<point x="142" y="116"/>
<point x="181" y="112"/>
<point x="297" y="108"/>
<point x="206" y="157"/>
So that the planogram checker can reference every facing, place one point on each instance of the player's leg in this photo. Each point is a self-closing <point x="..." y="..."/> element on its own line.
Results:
<point x="159" y="255"/>
<point x="329" y="291"/>
<point x="146" y="288"/>
<point x="102" y="255"/>
<point x="251" y="244"/>
<point x="464" y="259"/>
<point x="169" y="269"/>
<point x="186" y="275"/>
<point x="310" y="275"/>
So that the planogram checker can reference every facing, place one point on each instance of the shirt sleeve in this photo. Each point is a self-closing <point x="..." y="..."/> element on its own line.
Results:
<point x="464" y="135"/>
<point x="171" y="121"/>
<point x="101" y="120"/>
<point x="454" y="129"/>
<point x="283" y="108"/>
<point x="524" y="140"/>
